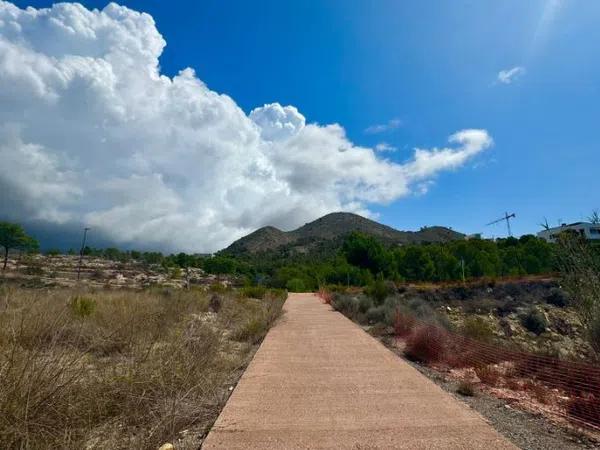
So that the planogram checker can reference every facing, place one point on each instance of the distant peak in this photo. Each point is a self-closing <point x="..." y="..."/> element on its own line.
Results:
<point x="330" y="228"/>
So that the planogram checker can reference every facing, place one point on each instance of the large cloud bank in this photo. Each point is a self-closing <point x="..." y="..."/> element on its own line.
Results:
<point x="92" y="133"/>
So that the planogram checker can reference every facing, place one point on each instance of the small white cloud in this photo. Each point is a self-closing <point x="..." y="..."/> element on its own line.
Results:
<point x="428" y="162"/>
<point x="391" y="124"/>
<point x="509" y="76"/>
<point x="385" y="147"/>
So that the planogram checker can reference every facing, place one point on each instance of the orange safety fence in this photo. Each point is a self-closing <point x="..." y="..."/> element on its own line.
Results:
<point x="575" y="384"/>
<point x="578" y="383"/>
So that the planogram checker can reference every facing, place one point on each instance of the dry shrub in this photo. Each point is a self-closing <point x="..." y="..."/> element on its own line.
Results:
<point x="513" y="384"/>
<point x="131" y="372"/>
<point x="83" y="306"/>
<point x="215" y="303"/>
<point x="466" y="388"/>
<point x="403" y="324"/>
<point x="326" y="296"/>
<point x="426" y="344"/>
<point x="252" y="327"/>
<point x="487" y="374"/>
<point x="538" y="391"/>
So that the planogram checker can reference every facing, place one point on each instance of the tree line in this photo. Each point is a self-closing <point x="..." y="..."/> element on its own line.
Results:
<point x="357" y="260"/>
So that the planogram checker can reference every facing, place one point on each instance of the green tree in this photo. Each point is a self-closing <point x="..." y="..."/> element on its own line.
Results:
<point x="295" y="285"/>
<point x="219" y="265"/>
<point x="13" y="237"/>
<point x="366" y="252"/>
<point x="415" y="264"/>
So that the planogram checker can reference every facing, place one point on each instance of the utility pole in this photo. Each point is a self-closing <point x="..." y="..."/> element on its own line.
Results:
<point x="85" y="230"/>
<point x="462" y="266"/>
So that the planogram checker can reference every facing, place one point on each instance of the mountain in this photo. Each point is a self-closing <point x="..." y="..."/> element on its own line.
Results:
<point x="328" y="230"/>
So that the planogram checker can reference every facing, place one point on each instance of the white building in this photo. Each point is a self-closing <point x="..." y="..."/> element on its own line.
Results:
<point x="586" y="229"/>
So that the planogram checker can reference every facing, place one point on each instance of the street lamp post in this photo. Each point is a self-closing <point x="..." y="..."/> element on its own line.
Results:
<point x="85" y="230"/>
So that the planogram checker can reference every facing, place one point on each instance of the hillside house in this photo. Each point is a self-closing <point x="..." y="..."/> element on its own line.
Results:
<point x="588" y="230"/>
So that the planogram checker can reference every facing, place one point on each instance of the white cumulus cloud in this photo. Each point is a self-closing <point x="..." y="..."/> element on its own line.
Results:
<point x="92" y="133"/>
<point x="277" y="122"/>
<point x="509" y="76"/>
<point x="427" y="162"/>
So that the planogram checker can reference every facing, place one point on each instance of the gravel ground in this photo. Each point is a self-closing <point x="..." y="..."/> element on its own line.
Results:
<point x="525" y="430"/>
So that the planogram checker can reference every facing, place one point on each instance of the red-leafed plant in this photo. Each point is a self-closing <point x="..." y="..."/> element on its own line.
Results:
<point x="426" y="344"/>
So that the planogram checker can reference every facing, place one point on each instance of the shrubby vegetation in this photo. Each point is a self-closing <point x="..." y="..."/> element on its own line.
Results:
<point x="362" y="260"/>
<point x="535" y="321"/>
<point x="121" y="369"/>
<point x="579" y="263"/>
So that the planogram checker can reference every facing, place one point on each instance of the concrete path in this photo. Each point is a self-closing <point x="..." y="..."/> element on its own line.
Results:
<point x="318" y="381"/>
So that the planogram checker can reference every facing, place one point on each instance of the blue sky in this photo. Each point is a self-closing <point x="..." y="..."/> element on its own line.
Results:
<point x="432" y="68"/>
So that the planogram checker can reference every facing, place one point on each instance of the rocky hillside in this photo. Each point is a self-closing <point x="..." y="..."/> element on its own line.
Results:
<point x="330" y="228"/>
<point x="50" y="271"/>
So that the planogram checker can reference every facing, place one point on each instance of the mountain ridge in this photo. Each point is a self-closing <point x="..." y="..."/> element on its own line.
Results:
<point x="331" y="227"/>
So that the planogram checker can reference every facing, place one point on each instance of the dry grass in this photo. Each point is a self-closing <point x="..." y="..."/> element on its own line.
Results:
<point x="119" y="369"/>
<point x="487" y="374"/>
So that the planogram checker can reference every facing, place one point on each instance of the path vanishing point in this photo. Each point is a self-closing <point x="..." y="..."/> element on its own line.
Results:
<point x="318" y="381"/>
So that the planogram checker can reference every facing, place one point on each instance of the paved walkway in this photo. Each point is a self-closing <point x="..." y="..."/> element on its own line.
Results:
<point x="318" y="381"/>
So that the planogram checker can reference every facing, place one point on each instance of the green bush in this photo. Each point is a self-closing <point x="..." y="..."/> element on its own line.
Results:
<point x="557" y="297"/>
<point x="477" y="328"/>
<point x="420" y="308"/>
<point x="378" y="290"/>
<point x="218" y="288"/>
<point x="83" y="306"/>
<point x="376" y="314"/>
<point x="277" y="293"/>
<point x="364" y="304"/>
<point x="295" y="285"/>
<point x="336" y="288"/>
<point x="391" y="306"/>
<point x="535" y="321"/>
<point x="345" y="304"/>
<point x="254" y="291"/>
